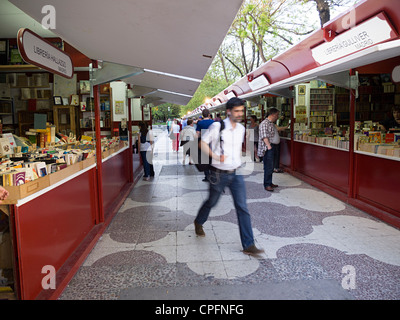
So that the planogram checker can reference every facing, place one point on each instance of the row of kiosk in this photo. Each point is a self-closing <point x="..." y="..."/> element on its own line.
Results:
<point x="340" y="89"/>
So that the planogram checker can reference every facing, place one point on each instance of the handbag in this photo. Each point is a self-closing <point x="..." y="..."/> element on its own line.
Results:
<point x="172" y="135"/>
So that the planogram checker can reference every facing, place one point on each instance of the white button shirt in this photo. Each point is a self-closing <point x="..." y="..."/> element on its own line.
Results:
<point x="232" y="140"/>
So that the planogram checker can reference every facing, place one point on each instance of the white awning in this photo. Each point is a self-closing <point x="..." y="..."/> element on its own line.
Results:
<point x="178" y="38"/>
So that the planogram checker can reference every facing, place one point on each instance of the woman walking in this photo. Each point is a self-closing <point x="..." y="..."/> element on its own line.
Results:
<point x="175" y="129"/>
<point x="146" y="141"/>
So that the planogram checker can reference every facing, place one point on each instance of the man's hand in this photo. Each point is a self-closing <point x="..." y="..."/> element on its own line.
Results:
<point x="3" y="194"/>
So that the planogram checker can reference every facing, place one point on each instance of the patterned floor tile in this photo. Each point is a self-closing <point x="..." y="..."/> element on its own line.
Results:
<point x="307" y="235"/>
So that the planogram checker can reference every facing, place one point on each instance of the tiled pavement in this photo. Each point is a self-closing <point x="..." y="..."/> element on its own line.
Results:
<point x="316" y="247"/>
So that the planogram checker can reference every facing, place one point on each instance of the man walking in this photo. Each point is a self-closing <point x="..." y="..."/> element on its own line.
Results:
<point x="225" y="151"/>
<point x="267" y="145"/>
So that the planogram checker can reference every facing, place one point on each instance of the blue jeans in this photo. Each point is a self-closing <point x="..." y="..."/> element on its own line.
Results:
<point x="218" y="181"/>
<point x="268" y="161"/>
<point x="146" y="164"/>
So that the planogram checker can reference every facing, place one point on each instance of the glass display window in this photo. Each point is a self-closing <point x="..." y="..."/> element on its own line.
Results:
<point x="322" y="114"/>
<point x="377" y="116"/>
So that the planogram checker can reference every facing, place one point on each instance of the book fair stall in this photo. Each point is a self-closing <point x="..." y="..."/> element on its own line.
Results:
<point x="66" y="164"/>
<point x="340" y="88"/>
<point x="71" y="101"/>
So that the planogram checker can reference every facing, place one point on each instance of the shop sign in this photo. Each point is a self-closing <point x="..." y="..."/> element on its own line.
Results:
<point x="39" y="52"/>
<point x="375" y="30"/>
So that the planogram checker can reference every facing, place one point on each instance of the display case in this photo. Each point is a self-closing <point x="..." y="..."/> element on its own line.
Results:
<point x="321" y="109"/>
<point x="316" y="115"/>
<point x="377" y="116"/>
<point x="87" y="114"/>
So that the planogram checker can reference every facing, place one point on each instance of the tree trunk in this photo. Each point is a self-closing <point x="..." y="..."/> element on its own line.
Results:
<point x="323" y="10"/>
<point x="223" y="65"/>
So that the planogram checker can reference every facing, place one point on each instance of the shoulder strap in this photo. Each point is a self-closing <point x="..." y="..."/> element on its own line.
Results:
<point x="222" y="125"/>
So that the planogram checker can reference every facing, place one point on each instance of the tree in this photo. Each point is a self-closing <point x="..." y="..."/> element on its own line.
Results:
<point x="324" y="7"/>
<point x="161" y="113"/>
<point x="261" y="30"/>
<point x="213" y="83"/>
<point x="262" y="26"/>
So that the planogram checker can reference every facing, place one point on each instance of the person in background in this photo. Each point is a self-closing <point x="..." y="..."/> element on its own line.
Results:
<point x="392" y="123"/>
<point x="169" y="122"/>
<point x="226" y="154"/>
<point x="175" y="129"/>
<point x="253" y="136"/>
<point x="202" y="127"/>
<point x="188" y="138"/>
<point x="184" y="122"/>
<point x="268" y="139"/>
<point x="146" y="141"/>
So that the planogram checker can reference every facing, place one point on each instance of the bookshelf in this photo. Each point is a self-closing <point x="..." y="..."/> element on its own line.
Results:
<point x="7" y="114"/>
<point x="26" y="119"/>
<point x="376" y="98"/>
<point x="87" y="116"/>
<point x="65" y="119"/>
<point x="342" y="106"/>
<point x="322" y="108"/>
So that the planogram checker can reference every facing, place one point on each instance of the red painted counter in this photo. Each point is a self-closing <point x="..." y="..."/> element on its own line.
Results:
<point x="285" y="156"/>
<point x="378" y="182"/>
<point x="115" y="171"/>
<point x="375" y="180"/>
<point x="327" y="165"/>
<point x="58" y="225"/>
<point x="50" y="226"/>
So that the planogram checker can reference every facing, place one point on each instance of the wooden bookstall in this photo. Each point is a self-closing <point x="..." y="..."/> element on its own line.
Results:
<point x="62" y="214"/>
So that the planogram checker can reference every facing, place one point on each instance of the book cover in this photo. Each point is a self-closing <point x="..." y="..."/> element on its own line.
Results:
<point x="41" y="169"/>
<point x="389" y="138"/>
<point x="19" y="178"/>
<point x="5" y="147"/>
<point x="375" y="137"/>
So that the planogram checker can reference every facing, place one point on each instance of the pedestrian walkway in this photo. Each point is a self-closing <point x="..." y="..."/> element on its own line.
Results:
<point x="316" y="247"/>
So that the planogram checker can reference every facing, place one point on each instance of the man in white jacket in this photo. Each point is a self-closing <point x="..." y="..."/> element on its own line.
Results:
<point x="226" y="151"/>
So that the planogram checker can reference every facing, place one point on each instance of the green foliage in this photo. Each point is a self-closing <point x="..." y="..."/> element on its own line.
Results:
<point x="161" y="113"/>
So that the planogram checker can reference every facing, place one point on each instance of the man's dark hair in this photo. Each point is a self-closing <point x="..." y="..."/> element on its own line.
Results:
<point x="205" y="113"/>
<point x="235" y="102"/>
<point x="272" y="111"/>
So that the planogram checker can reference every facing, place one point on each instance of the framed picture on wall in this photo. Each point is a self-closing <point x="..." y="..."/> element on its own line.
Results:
<point x="84" y="86"/>
<point x="302" y="90"/>
<point x="57" y="100"/>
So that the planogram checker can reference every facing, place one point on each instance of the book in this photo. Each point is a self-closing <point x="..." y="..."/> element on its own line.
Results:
<point x="389" y="138"/>
<point x="41" y="169"/>
<point x="19" y="178"/>
<point x="375" y="137"/>
<point x="5" y="147"/>
<point x="51" y="168"/>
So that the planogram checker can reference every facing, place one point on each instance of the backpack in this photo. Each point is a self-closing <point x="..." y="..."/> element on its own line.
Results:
<point x="206" y="166"/>
<point x="142" y="138"/>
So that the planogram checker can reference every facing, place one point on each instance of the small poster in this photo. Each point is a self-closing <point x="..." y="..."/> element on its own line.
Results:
<point x="301" y="113"/>
<point x="119" y="107"/>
